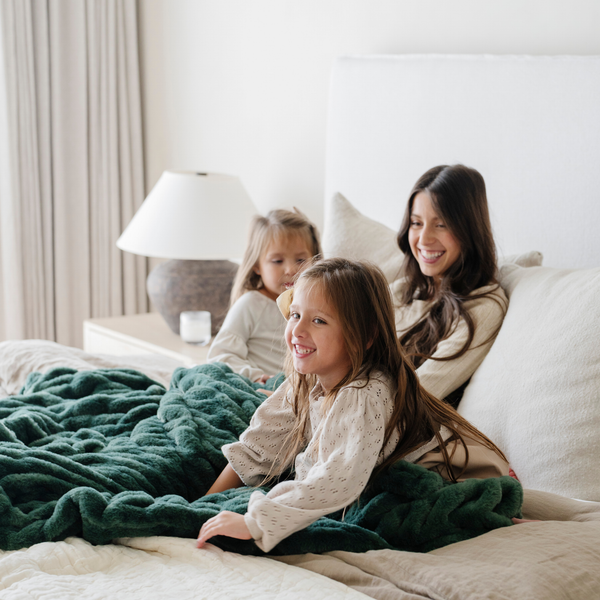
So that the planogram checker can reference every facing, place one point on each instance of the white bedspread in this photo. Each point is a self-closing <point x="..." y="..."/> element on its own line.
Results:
<point x="557" y="559"/>
<point x="155" y="567"/>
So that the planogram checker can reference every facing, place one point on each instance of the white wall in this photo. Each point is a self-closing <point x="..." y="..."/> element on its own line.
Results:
<point x="240" y="86"/>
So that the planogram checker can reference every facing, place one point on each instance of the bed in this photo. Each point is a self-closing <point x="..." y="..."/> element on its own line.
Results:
<point x="519" y="121"/>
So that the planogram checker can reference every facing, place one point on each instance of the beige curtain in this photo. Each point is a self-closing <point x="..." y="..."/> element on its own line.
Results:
<point x="76" y="166"/>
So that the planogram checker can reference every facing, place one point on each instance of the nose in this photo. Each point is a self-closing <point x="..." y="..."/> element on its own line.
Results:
<point x="290" y="268"/>
<point x="427" y="235"/>
<point x="299" y="328"/>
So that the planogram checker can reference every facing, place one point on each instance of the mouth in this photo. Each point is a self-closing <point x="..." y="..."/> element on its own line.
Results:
<point x="303" y="351"/>
<point x="431" y="257"/>
<point x="288" y="284"/>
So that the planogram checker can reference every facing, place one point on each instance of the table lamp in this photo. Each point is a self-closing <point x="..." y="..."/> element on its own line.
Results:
<point x="200" y="221"/>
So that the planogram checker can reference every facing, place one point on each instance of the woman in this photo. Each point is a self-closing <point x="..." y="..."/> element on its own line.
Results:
<point x="449" y="305"/>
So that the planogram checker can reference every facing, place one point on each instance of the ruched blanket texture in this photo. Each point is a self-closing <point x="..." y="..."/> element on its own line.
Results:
<point x="110" y="453"/>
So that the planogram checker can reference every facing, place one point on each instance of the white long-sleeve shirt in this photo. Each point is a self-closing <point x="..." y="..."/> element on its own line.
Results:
<point x="342" y="448"/>
<point x="440" y="378"/>
<point x="251" y="339"/>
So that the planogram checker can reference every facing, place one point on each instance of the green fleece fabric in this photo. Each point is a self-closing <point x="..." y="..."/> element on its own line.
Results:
<point x="110" y="453"/>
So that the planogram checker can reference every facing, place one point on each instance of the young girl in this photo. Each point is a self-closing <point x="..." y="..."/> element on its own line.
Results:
<point x="449" y="306"/>
<point x="352" y="406"/>
<point x="251" y="338"/>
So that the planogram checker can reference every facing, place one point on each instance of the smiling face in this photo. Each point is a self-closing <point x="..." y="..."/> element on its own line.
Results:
<point x="315" y="338"/>
<point x="431" y="243"/>
<point x="280" y="263"/>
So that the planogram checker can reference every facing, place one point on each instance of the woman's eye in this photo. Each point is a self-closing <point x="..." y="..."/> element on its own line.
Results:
<point x="442" y="225"/>
<point x="414" y="223"/>
<point x="276" y="261"/>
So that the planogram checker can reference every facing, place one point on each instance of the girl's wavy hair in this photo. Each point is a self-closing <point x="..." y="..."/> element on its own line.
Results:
<point x="459" y="198"/>
<point x="360" y="296"/>
<point x="263" y="230"/>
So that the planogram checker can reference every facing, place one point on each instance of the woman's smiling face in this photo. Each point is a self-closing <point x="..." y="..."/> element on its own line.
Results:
<point x="315" y="338"/>
<point x="431" y="243"/>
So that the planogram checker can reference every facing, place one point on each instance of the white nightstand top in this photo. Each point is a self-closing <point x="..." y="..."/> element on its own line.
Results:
<point x="139" y="334"/>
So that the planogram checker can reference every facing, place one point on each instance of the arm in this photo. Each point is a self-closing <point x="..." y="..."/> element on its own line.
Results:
<point x="226" y="522"/>
<point x="256" y="452"/>
<point x="227" y="480"/>
<point x="230" y="345"/>
<point x="253" y="457"/>
<point x="440" y="378"/>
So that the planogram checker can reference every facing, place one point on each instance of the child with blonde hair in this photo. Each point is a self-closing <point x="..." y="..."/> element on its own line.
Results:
<point x="351" y="407"/>
<point x="250" y="340"/>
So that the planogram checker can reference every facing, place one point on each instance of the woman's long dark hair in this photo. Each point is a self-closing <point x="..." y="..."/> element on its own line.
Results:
<point x="459" y="198"/>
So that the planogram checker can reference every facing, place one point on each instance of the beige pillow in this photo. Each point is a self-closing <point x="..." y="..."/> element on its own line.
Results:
<point x="537" y="392"/>
<point x="350" y="234"/>
<point x="528" y="259"/>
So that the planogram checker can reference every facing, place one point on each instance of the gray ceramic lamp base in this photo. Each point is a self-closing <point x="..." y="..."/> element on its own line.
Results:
<point x="178" y="285"/>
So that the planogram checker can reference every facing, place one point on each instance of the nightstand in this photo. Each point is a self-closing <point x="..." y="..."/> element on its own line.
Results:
<point x="139" y="334"/>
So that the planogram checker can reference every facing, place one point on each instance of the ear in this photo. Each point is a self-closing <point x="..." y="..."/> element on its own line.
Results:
<point x="255" y="269"/>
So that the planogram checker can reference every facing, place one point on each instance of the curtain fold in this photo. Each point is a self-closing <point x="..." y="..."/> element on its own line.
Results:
<point x="76" y="165"/>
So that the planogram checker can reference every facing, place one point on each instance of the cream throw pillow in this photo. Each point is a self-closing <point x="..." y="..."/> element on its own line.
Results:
<point x="350" y="234"/>
<point x="537" y="392"/>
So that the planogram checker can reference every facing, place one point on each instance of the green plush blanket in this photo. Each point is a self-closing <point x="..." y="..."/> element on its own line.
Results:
<point x="110" y="453"/>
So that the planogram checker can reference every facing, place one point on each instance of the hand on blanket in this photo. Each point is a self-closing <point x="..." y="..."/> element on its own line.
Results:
<point x="225" y="523"/>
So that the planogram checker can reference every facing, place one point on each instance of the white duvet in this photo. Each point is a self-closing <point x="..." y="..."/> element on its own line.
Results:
<point x="556" y="559"/>
<point x="155" y="567"/>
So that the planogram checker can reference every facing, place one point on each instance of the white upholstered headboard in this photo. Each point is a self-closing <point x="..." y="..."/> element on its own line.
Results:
<point x="530" y="125"/>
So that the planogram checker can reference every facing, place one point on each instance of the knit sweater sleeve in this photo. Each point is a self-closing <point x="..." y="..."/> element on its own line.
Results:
<point x="230" y="345"/>
<point x="440" y="378"/>
<point x="258" y="448"/>
<point x="337" y="465"/>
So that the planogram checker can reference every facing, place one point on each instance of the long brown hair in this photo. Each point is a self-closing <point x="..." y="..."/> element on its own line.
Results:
<point x="359" y="295"/>
<point x="459" y="198"/>
<point x="263" y="230"/>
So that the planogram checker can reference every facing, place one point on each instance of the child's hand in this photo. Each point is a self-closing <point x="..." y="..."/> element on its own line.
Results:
<point x="265" y="392"/>
<point x="263" y="379"/>
<point x="225" y="523"/>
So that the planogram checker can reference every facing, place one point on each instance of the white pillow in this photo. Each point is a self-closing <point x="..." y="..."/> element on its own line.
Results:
<point x="537" y="392"/>
<point x="528" y="259"/>
<point x="352" y="235"/>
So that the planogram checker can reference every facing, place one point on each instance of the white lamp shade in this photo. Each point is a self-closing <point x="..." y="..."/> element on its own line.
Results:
<point x="191" y="216"/>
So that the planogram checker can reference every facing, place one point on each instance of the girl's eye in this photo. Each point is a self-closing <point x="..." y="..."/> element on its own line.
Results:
<point x="319" y="321"/>
<point x="441" y="225"/>
<point x="276" y="261"/>
<point x="294" y="315"/>
<point x="300" y="260"/>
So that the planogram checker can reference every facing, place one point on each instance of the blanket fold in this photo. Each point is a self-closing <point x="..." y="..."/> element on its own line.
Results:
<point x="110" y="453"/>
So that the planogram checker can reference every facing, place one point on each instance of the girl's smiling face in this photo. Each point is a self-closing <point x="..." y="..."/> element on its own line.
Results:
<point x="431" y="243"/>
<point x="315" y="338"/>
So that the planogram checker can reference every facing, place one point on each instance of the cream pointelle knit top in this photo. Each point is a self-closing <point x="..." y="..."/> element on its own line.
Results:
<point x="343" y="447"/>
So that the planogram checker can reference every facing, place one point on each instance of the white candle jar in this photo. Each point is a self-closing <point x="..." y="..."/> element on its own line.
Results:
<point x="194" y="326"/>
